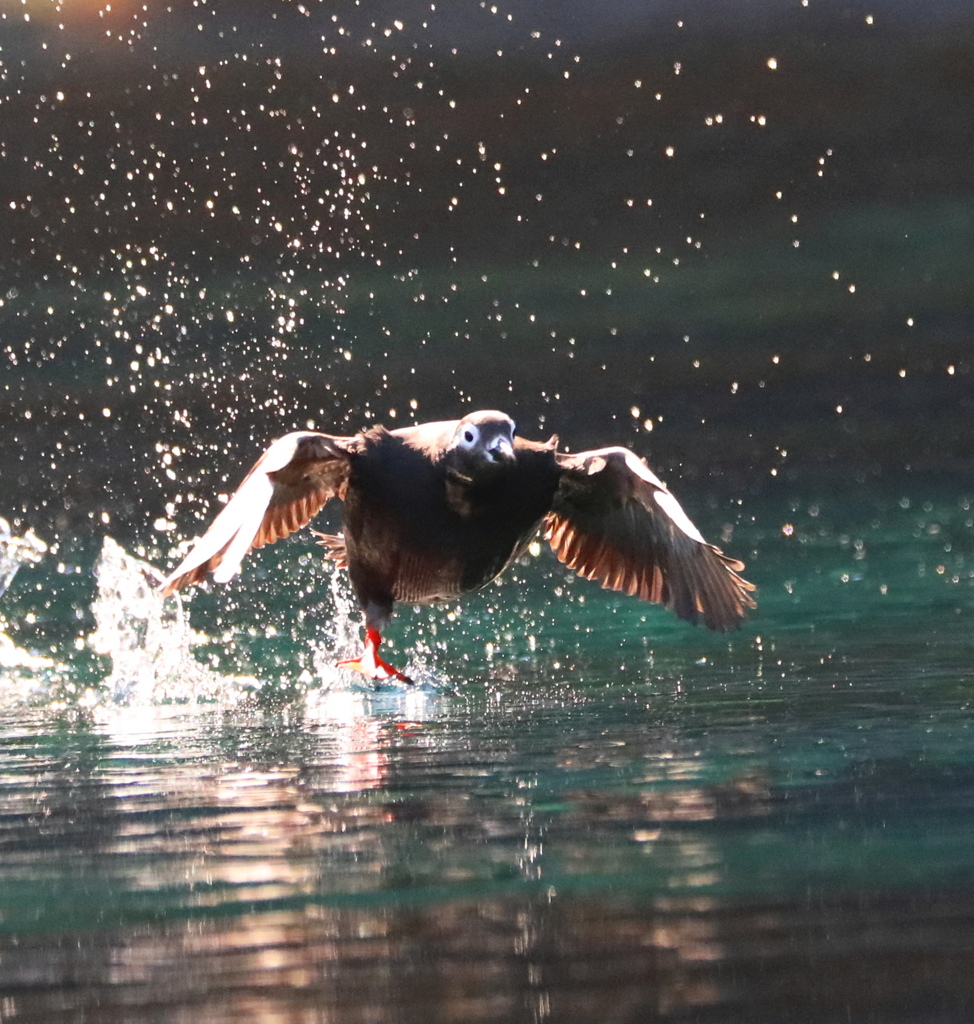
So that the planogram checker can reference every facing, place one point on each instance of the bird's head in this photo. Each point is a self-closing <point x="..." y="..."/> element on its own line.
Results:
<point x="483" y="443"/>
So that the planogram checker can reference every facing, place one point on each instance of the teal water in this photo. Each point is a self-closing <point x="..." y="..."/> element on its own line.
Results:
<point x="604" y="815"/>
<point x="734" y="237"/>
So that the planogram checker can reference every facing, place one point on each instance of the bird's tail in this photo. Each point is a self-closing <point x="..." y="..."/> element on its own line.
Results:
<point x="334" y="545"/>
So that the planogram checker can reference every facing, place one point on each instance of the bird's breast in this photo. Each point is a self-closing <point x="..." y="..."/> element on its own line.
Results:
<point x="423" y="537"/>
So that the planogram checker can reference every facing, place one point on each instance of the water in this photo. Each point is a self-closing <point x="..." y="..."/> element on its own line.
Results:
<point x="14" y="553"/>
<point x="737" y="241"/>
<point x="618" y="819"/>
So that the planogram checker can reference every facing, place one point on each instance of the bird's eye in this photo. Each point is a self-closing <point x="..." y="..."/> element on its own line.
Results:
<point x="468" y="436"/>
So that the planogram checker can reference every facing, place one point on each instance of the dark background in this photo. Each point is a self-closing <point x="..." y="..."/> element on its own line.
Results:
<point x="226" y="220"/>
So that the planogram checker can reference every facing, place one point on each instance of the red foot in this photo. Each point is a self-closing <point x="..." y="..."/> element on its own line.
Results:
<point x="370" y="664"/>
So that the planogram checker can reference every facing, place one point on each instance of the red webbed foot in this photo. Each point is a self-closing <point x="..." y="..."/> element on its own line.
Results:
<point x="370" y="665"/>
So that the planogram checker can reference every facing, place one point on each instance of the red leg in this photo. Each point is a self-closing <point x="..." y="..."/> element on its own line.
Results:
<point x="370" y="664"/>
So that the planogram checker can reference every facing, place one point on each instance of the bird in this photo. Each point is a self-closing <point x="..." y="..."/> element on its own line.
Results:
<point x="436" y="510"/>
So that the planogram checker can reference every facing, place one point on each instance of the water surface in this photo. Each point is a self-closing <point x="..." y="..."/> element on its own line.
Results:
<point x="603" y="815"/>
<point x="739" y="245"/>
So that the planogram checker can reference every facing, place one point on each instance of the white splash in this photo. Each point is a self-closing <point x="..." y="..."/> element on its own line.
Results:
<point x="15" y="552"/>
<point x="344" y="638"/>
<point x="13" y="657"/>
<point x="343" y="634"/>
<point x="148" y="637"/>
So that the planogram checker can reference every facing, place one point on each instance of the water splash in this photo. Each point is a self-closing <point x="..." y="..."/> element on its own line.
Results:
<point x="148" y="638"/>
<point x="343" y="639"/>
<point x="152" y="649"/>
<point x="354" y="708"/>
<point x="15" y="552"/>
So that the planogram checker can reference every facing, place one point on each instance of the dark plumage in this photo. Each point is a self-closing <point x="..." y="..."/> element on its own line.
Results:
<point x="436" y="510"/>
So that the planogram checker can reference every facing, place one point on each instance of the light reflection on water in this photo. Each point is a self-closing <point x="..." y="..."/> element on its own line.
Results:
<point x="587" y="811"/>
<point x="597" y="825"/>
<point x="513" y="852"/>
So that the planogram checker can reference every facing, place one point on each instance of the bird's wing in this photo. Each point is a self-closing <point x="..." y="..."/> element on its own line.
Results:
<point x="287" y="486"/>
<point x="613" y="521"/>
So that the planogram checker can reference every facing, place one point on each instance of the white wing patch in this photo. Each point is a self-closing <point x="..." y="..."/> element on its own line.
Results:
<point x="233" y="531"/>
<point x="596" y="461"/>
<point x="257" y="497"/>
<point x="661" y="495"/>
<point x="678" y="517"/>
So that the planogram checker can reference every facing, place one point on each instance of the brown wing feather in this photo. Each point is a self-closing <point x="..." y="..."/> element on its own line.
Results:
<point x="334" y="545"/>
<point x="613" y="521"/>
<point x="287" y="486"/>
